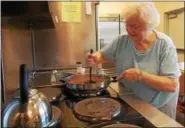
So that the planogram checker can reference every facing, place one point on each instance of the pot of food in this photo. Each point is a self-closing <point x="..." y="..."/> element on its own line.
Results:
<point x="87" y="84"/>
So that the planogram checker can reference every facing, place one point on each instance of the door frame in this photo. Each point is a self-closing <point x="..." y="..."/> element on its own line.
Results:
<point x="169" y="15"/>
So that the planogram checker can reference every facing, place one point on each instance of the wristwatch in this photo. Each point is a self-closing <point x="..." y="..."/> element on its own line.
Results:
<point x="140" y="76"/>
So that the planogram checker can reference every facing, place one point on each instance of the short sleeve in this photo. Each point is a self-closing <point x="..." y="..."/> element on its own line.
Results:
<point x="109" y="51"/>
<point x="169" y="62"/>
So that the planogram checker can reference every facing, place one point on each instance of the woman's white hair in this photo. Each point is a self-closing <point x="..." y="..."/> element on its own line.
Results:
<point x="146" y="11"/>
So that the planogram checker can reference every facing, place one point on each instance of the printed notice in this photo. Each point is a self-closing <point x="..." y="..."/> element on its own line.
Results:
<point x="71" y="11"/>
<point x="88" y="8"/>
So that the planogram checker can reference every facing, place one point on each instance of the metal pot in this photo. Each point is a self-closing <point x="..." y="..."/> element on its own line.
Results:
<point x="31" y="110"/>
<point x="87" y="87"/>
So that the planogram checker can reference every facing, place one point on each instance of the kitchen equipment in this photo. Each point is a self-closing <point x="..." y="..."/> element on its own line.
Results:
<point x="42" y="78"/>
<point x="97" y="109"/>
<point x="79" y="85"/>
<point x="90" y="70"/>
<point x="52" y="97"/>
<point x="70" y="119"/>
<point x="31" y="110"/>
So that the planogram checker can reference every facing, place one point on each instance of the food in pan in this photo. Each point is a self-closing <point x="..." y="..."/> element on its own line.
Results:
<point x="83" y="79"/>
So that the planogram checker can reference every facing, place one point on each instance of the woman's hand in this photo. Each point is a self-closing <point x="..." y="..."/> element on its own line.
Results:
<point x="161" y="83"/>
<point x="131" y="74"/>
<point x="92" y="60"/>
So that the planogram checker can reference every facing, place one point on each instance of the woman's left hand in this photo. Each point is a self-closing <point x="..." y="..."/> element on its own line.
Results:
<point x="131" y="74"/>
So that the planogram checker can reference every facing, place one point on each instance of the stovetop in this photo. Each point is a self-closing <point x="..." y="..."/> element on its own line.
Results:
<point x="68" y="101"/>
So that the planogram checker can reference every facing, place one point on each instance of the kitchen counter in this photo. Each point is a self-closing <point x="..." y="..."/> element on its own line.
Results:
<point x="152" y="114"/>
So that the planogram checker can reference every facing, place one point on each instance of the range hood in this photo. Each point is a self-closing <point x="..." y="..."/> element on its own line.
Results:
<point x="54" y="44"/>
<point x="29" y="14"/>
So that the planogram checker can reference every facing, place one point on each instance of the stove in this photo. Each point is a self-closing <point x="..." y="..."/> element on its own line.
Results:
<point x="67" y="102"/>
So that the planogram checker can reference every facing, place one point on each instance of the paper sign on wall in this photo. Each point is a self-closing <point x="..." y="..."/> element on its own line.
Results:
<point x="71" y="11"/>
<point x="88" y="8"/>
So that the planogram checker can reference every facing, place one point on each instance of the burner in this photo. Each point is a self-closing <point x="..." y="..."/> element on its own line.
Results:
<point x="97" y="109"/>
<point x="68" y="102"/>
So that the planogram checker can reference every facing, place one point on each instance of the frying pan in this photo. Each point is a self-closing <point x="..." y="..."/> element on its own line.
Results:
<point x="81" y="84"/>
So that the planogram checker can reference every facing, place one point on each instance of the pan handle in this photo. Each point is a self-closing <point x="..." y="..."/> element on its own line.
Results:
<point x="113" y="79"/>
<point x="63" y="80"/>
<point x="66" y="79"/>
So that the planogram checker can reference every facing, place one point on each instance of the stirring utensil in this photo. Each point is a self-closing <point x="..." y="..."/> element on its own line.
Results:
<point x="90" y="70"/>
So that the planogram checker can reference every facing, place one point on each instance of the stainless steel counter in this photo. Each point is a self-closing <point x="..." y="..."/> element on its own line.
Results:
<point x="152" y="114"/>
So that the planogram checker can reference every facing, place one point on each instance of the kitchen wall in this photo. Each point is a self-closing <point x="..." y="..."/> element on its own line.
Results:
<point x="111" y="7"/>
<point x="45" y="48"/>
<point x="74" y="39"/>
<point x="16" y="50"/>
<point x="72" y="44"/>
<point x="166" y="7"/>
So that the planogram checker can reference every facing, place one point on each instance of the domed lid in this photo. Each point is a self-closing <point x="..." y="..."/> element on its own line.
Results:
<point x="32" y="92"/>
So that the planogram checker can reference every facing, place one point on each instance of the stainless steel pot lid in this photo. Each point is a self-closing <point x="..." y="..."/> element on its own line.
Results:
<point x="50" y="93"/>
<point x="32" y="92"/>
<point x="121" y="125"/>
<point x="96" y="109"/>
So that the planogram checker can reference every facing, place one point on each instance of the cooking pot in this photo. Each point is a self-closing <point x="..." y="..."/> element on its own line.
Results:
<point x="30" y="110"/>
<point x="79" y="84"/>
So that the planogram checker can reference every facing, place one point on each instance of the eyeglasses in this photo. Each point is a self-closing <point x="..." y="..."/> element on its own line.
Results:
<point x="134" y="26"/>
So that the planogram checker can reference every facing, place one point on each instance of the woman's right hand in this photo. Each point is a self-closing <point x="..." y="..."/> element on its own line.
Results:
<point x="92" y="60"/>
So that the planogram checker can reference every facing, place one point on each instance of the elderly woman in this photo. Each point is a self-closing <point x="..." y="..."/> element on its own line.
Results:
<point x="145" y="59"/>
